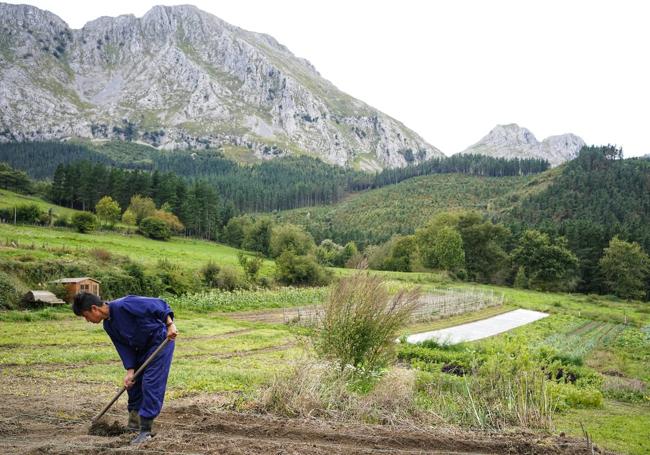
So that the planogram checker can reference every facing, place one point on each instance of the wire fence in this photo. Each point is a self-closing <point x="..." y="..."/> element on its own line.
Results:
<point x="441" y="305"/>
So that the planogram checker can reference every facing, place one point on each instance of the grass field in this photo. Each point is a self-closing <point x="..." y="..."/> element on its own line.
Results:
<point x="9" y="199"/>
<point x="235" y="358"/>
<point x="186" y="252"/>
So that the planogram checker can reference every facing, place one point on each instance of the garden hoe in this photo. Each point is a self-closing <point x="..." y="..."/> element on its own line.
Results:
<point x="108" y="430"/>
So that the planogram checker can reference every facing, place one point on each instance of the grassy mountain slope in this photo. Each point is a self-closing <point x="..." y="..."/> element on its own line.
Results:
<point x="9" y="199"/>
<point x="374" y="216"/>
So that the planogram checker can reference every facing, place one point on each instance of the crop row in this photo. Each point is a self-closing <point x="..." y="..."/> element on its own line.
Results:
<point x="249" y="300"/>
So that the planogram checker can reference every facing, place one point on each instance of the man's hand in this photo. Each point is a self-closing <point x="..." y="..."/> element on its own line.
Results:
<point x="172" y="331"/>
<point x="128" y="379"/>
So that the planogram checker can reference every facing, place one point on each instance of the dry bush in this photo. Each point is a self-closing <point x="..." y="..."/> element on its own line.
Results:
<point x="321" y="389"/>
<point x="360" y="320"/>
<point x="101" y="254"/>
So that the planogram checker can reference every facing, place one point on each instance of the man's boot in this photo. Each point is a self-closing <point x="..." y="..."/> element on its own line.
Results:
<point x="145" y="431"/>
<point x="134" y="421"/>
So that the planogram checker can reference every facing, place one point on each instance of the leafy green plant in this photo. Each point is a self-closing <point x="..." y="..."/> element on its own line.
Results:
<point x="84" y="222"/>
<point x="155" y="228"/>
<point x="296" y="270"/>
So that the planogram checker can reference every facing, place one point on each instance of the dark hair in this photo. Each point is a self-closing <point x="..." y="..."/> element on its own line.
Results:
<point x="84" y="301"/>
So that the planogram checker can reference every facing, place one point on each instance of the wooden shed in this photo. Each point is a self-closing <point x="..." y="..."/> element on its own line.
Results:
<point x="35" y="297"/>
<point x="76" y="285"/>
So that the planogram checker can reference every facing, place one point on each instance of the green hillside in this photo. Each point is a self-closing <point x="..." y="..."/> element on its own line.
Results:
<point x="374" y="216"/>
<point x="9" y="199"/>
<point x="32" y="256"/>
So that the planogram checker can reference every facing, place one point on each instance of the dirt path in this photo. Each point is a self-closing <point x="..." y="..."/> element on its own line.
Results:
<point x="52" y="417"/>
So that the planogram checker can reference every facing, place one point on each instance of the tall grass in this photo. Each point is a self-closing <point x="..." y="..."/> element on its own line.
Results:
<point x="360" y="321"/>
<point x="505" y="388"/>
<point x="321" y="389"/>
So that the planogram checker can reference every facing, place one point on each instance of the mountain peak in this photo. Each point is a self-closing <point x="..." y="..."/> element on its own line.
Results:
<point x="179" y="77"/>
<point x="513" y="141"/>
<point x="510" y="134"/>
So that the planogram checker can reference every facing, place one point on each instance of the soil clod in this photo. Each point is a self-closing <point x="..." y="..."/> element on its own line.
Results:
<point x="103" y="428"/>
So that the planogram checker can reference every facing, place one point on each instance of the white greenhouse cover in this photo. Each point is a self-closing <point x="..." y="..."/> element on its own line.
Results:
<point x="480" y="329"/>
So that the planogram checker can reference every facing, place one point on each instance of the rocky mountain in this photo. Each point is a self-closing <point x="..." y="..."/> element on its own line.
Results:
<point x="179" y="78"/>
<point x="513" y="141"/>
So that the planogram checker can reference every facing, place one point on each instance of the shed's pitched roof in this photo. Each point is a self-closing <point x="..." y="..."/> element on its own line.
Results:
<point x="75" y="280"/>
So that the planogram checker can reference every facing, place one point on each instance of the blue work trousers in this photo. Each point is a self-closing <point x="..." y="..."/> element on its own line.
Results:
<point x="147" y="394"/>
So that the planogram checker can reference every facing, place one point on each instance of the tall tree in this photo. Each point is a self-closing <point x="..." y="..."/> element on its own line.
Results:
<point x="625" y="268"/>
<point x="549" y="265"/>
<point x="108" y="210"/>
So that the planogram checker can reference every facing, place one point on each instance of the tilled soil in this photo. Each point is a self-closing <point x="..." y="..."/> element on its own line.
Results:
<point x="52" y="417"/>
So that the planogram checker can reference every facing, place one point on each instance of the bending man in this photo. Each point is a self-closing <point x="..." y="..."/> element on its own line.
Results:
<point x="136" y="325"/>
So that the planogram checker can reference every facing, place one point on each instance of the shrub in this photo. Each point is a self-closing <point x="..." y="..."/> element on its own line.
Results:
<point x="292" y="269"/>
<point x="117" y="284"/>
<point x="377" y="255"/>
<point x="101" y="254"/>
<point x="288" y="237"/>
<point x="401" y="254"/>
<point x="8" y="295"/>
<point x="569" y="396"/>
<point x="328" y="253"/>
<point x="62" y="221"/>
<point x="128" y="217"/>
<point x="144" y="284"/>
<point x="258" y="236"/>
<point x="251" y="265"/>
<point x="229" y="278"/>
<point x="22" y="213"/>
<point x="171" y="220"/>
<point x="84" y="222"/>
<point x="360" y="322"/>
<point x="440" y="247"/>
<point x="141" y="207"/>
<point x="155" y="228"/>
<point x="235" y="231"/>
<point x="209" y="274"/>
<point x="625" y="269"/>
<point x="108" y="210"/>
<point x="175" y="280"/>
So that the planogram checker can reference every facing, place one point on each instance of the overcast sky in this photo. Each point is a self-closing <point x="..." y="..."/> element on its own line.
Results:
<point x="452" y="70"/>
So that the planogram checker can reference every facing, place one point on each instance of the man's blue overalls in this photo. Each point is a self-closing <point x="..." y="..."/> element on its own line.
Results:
<point x="136" y="326"/>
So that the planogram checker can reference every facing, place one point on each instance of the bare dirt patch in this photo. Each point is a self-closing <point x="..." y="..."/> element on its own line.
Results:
<point x="53" y="417"/>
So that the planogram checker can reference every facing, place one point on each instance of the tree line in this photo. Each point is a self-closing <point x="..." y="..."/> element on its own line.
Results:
<point x="279" y="184"/>
<point x="597" y="197"/>
<point x="471" y="247"/>
<point x="81" y="185"/>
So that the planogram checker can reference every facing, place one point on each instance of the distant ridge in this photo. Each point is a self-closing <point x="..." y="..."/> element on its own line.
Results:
<point x="513" y="141"/>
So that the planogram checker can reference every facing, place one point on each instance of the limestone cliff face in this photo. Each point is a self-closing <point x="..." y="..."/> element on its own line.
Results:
<point x="179" y="77"/>
<point x="513" y="141"/>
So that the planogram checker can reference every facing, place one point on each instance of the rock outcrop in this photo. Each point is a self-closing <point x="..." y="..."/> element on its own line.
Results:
<point x="513" y="141"/>
<point x="178" y="78"/>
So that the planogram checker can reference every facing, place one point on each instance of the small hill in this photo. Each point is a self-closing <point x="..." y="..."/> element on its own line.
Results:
<point x="513" y="141"/>
<point x="374" y="216"/>
<point x="598" y="194"/>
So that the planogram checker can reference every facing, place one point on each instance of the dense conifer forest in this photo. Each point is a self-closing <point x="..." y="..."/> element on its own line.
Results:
<point x="279" y="184"/>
